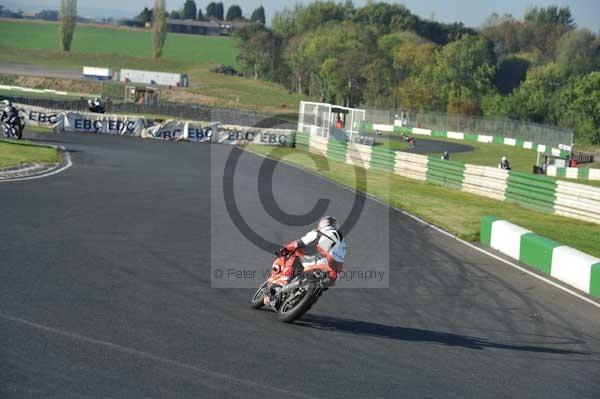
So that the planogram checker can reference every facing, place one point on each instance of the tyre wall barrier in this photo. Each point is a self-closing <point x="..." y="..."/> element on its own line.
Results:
<point x="540" y="193"/>
<point x="547" y="256"/>
<point x="562" y="150"/>
<point x="445" y="173"/>
<point x="485" y="181"/>
<point x="411" y="166"/>
<point x="531" y="191"/>
<point x="577" y="201"/>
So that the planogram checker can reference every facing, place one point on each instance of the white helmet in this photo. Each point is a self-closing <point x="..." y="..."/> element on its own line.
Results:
<point x="7" y="103"/>
<point x="327" y="221"/>
<point x="503" y="159"/>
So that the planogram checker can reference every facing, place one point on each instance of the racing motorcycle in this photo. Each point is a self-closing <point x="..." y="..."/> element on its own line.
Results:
<point x="14" y="127"/>
<point x="304" y="289"/>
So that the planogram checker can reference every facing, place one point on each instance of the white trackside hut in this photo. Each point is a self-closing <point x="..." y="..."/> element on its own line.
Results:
<point x="153" y="78"/>
<point x="321" y="119"/>
<point x="96" y="73"/>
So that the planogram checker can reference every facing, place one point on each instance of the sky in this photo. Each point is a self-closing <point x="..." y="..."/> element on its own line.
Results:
<point x="471" y="12"/>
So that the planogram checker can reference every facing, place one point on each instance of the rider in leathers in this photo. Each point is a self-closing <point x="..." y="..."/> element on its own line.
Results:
<point x="9" y="114"/>
<point x="329" y="243"/>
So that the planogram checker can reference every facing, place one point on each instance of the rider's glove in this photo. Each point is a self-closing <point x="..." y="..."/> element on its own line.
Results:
<point x="284" y="251"/>
<point x="291" y="247"/>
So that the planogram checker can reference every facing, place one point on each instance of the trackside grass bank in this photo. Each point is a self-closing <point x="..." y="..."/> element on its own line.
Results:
<point x="37" y="43"/>
<point x="457" y="212"/>
<point x="14" y="153"/>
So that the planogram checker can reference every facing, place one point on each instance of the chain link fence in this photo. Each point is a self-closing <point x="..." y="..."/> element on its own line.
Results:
<point x="527" y="131"/>
<point x="70" y="105"/>
<point x="167" y="110"/>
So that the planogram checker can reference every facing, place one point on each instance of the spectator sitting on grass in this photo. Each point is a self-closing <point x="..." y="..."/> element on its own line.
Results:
<point x="504" y="164"/>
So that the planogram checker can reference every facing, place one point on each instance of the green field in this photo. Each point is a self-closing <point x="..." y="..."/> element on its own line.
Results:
<point x="455" y="211"/>
<point x="521" y="160"/>
<point x="14" y="153"/>
<point x="37" y="43"/>
<point x="391" y="143"/>
<point x="186" y="50"/>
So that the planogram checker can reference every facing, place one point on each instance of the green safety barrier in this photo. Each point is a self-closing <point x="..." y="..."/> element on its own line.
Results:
<point x="383" y="158"/>
<point x="531" y="191"/>
<point x="445" y="173"/>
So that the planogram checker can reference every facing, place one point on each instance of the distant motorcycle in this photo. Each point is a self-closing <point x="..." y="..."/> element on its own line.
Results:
<point x="13" y="127"/>
<point x="296" y="298"/>
<point x="96" y="106"/>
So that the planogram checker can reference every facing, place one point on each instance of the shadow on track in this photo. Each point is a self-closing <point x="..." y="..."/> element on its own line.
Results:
<point x="363" y="328"/>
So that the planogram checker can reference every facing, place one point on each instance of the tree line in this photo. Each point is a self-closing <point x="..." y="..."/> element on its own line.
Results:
<point x="538" y="68"/>
<point x="214" y="11"/>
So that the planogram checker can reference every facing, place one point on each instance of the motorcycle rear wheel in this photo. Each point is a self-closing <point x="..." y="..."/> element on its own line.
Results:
<point x="289" y="313"/>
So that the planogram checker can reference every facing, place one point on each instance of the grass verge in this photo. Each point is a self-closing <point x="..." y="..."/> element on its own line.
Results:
<point x="391" y="143"/>
<point x="454" y="211"/>
<point x="521" y="159"/>
<point x="14" y="153"/>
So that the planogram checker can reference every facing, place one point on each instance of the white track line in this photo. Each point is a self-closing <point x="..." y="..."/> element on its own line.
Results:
<point x="448" y="234"/>
<point x="150" y="356"/>
<point x="53" y="172"/>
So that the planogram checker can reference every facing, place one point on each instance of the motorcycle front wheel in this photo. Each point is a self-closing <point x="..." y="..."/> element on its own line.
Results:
<point x="257" y="300"/>
<point x="293" y="308"/>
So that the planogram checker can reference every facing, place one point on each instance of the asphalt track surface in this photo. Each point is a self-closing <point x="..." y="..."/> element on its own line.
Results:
<point x="105" y="273"/>
<point x="9" y="68"/>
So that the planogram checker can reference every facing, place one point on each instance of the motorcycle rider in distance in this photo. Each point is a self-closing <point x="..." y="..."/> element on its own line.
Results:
<point x="331" y="250"/>
<point x="8" y="111"/>
<point x="96" y="106"/>
<point x="9" y="115"/>
<point x="504" y="164"/>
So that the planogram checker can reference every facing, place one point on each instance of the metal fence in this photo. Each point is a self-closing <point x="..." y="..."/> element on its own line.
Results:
<point x="71" y="105"/>
<point x="537" y="133"/>
<point x="205" y="113"/>
<point x="184" y="111"/>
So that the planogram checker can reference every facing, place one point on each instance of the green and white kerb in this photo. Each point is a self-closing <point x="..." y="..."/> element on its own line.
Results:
<point x="565" y="264"/>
